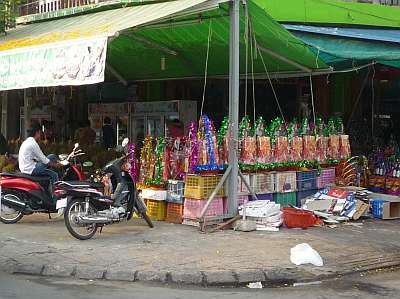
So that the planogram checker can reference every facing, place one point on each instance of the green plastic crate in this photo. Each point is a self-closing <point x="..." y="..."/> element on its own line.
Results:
<point x="286" y="199"/>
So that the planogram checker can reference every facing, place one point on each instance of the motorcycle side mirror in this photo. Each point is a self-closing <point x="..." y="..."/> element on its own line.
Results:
<point x="63" y="157"/>
<point x="125" y="142"/>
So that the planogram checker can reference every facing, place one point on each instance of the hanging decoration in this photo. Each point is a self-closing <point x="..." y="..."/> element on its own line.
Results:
<point x="146" y="160"/>
<point x="132" y="162"/>
<point x="264" y="150"/>
<point x="248" y="142"/>
<point x="223" y="141"/>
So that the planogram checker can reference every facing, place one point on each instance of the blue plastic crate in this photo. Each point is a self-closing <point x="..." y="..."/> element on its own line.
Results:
<point x="266" y="196"/>
<point x="306" y="180"/>
<point x="175" y="191"/>
<point x="377" y="208"/>
<point x="303" y="194"/>
<point x="377" y="189"/>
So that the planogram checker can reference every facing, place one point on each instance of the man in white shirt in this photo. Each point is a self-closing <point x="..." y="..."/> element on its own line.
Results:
<point x="31" y="159"/>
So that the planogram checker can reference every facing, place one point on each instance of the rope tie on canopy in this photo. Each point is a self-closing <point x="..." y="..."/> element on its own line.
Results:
<point x="270" y="83"/>
<point x="248" y="37"/>
<point x="312" y="101"/>
<point x="206" y="66"/>
<point x="246" y="40"/>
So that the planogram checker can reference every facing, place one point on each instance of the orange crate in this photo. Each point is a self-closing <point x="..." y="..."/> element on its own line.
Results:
<point x="174" y="213"/>
<point x="156" y="209"/>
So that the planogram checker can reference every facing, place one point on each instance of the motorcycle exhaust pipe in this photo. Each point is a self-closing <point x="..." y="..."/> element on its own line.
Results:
<point x="93" y="220"/>
<point x="13" y="203"/>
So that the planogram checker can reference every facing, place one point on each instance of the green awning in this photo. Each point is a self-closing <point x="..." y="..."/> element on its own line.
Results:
<point x="177" y="49"/>
<point x="159" y="41"/>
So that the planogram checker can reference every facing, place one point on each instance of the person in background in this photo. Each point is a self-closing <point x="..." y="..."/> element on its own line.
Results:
<point x="86" y="134"/>
<point x="175" y="128"/>
<point x="108" y="134"/>
<point x="31" y="159"/>
<point x="3" y="145"/>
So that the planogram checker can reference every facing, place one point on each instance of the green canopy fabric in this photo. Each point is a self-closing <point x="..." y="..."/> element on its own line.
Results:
<point x="177" y="48"/>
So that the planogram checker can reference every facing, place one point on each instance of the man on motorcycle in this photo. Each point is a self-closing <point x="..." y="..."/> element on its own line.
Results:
<point x="31" y="159"/>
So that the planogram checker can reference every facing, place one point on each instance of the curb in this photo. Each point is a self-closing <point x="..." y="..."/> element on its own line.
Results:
<point x="272" y="277"/>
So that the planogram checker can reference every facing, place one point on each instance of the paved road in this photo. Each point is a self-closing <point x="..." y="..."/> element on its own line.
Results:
<point x="365" y="286"/>
<point x="181" y="253"/>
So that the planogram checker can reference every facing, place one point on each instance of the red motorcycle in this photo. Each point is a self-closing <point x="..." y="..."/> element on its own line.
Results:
<point x="22" y="194"/>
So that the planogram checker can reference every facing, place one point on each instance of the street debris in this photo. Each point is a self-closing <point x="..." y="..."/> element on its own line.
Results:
<point x="265" y="214"/>
<point x="255" y="285"/>
<point x="335" y="205"/>
<point x="303" y="284"/>
<point x="304" y="254"/>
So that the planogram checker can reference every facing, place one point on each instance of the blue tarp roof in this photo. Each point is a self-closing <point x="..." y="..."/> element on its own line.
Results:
<point x="341" y="47"/>
<point x="383" y="35"/>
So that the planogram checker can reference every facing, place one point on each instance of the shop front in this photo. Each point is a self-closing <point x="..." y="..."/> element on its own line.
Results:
<point x="205" y="171"/>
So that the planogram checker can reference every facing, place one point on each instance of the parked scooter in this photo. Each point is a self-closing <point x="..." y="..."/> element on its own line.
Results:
<point x="84" y="215"/>
<point x="23" y="194"/>
<point x="73" y="170"/>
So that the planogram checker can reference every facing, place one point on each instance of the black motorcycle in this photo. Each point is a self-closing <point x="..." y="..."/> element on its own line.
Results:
<point x="84" y="215"/>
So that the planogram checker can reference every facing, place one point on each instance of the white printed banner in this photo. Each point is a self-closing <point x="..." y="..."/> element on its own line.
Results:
<point x="74" y="63"/>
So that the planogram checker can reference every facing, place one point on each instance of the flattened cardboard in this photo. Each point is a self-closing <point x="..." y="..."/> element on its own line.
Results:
<point x="361" y="209"/>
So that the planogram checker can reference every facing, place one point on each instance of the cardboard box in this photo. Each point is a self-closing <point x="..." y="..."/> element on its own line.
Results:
<point x="385" y="197"/>
<point x="388" y="210"/>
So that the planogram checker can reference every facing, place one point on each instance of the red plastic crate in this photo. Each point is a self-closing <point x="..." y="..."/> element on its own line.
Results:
<point x="327" y="176"/>
<point x="193" y="207"/>
<point x="174" y="213"/>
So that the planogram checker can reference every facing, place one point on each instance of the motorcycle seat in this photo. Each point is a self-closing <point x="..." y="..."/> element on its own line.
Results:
<point x="38" y="179"/>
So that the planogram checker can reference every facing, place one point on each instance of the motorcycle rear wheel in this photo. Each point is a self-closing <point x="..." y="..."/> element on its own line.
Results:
<point x="78" y="206"/>
<point x="11" y="216"/>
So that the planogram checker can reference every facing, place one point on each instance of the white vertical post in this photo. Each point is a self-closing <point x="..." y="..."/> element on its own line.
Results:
<point x="233" y="105"/>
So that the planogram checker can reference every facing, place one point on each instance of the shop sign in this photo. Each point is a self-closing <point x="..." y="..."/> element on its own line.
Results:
<point x="155" y="107"/>
<point x="73" y="63"/>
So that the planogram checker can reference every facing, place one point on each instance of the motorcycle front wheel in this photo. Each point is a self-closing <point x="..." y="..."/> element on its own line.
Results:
<point x="9" y="215"/>
<point x="75" y="208"/>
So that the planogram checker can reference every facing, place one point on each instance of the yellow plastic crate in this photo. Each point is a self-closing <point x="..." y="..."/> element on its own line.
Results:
<point x="201" y="186"/>
<point x="156" y="209"/>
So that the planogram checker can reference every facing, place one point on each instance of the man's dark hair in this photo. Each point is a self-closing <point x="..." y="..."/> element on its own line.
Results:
<point x="34" y="129"/>
<point x="107" y="120"/>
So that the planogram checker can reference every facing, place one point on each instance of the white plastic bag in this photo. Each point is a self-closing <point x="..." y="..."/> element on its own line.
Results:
<point x="305" y="254"/>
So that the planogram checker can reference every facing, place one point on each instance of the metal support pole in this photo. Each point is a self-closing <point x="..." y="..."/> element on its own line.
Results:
<point x="27" y="112"/>
<point x="4" y="114"/>
<point x="233" y="106"/>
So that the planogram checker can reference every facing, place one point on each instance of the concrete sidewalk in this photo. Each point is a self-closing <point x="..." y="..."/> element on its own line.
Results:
<point x="180" y="254"/>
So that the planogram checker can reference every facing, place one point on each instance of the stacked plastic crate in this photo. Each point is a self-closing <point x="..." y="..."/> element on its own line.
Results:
<point x="306" y="185"/>
<point x="263" y="185"/>
<point x="156" y="203"/>
<point x="175" y="201"/>
<point x="198" y="188"/>
<point x="285" y="188"/>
